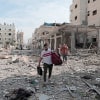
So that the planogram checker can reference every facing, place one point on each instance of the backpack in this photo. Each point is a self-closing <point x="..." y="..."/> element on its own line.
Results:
<point x="56" y="60"/>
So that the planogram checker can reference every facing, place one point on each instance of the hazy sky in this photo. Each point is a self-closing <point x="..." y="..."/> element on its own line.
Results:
<point x="30" y="14"/>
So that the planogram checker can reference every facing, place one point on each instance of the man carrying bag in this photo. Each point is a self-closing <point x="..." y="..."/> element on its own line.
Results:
<point x="47" y="62"/>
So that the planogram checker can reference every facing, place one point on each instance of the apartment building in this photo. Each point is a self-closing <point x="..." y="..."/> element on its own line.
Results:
<point x="78" y="12"/>
<point x="29" y="44"/>
<point x="48" y="32"/>
<point x="93" y="12"/>
<point x="20" y="39"/>
<point x="7" y="34"/>
<point x="85" y="12"/>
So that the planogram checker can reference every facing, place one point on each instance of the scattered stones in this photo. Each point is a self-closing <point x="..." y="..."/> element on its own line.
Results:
<point x="18" y="94"/>
<point x="43" y="97"/>
<point x="98" y="79"/>
<point x="21" y="73"/>
<point x="87" y="77"/>
<point x="4" y="57"/>
<point x="15" y="59"/>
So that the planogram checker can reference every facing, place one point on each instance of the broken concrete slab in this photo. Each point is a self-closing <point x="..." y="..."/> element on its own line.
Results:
<point x="97" y="79"/>
<point x="4" y="56"/>
<point x="15" y="59"/>
<point x="43" y="97"/>
<point x="19" y="94"/>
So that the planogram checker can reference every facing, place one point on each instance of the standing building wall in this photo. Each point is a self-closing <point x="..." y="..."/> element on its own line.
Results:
<point x="20" y="39"/>
<point x="82" y="11"/>
<point x="88" y="14"/>
<point x="94" y="12"/>
<point x="78" y="12"/>
<point x="7" y="34"/>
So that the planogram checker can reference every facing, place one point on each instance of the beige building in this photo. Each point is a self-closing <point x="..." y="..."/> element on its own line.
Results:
<point x="7" y="34"/>
<point x="78" y="12"/>
<point x="29" y="44"/>
<point x="93" y="11"/>
<point x="47" y="33"/>
<point x="86" y="12"/>
<point x="20" y="39"/>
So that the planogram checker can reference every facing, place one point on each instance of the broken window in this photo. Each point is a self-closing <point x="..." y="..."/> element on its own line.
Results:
<point x="94" y="12"/>
<point x="88" y="13"/>
<point x="88" y="1"/>
<point x="9" y="33"/>
<point x="94" y="0"/>
<point x="76" y="6"/>
<point x="75" y="17"/>
<point x="94" y="39"/>
<point x="9" y="29"/>
<point x="43" y="33"/>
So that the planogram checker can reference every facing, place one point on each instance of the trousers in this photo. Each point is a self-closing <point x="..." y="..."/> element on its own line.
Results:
<point x="47" y="67"/>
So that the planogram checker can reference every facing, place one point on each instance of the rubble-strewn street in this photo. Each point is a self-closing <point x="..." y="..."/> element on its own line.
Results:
<point x="79" y="79"/>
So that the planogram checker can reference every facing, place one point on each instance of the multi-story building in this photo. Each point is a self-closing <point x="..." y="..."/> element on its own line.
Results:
<point x="78" y="12"/>
<point x="52" y="34"/>
<point x="47" y="33"/>
<point x="7" y="34"/>
<point x="93" y="11"/>
<point x="29" y="44"/>
<point x="20" y="39"/>
<point x="87" y="13"/>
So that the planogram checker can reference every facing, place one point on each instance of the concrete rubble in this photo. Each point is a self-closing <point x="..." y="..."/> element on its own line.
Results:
<point x="20" y="72"/>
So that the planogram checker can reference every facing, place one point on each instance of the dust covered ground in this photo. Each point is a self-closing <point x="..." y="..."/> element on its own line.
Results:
<point x="68" y="81"/>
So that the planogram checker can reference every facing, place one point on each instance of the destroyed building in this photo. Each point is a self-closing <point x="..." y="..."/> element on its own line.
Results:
<point x="75" y="36"/>
<point x="7" y="34"/>
<point x="84" y="24"/>
<point x="20" y="40"/>
<point x="87" y="12"/>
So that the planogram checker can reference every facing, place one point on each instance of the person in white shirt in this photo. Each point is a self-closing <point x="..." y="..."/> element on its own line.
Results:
<point x="47" y="62"/>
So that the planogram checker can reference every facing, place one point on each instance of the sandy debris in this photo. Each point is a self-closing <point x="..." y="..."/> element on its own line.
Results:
<point x="66" y="83"/>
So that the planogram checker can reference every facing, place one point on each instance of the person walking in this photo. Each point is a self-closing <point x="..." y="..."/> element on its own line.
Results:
<point x="64" y="52"/>
<point x="47" y="63"/>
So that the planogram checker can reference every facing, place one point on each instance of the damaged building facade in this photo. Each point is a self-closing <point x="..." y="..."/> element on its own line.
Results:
<point x="50" y="33"/>
<point x="20" y="40"/>
<point x="83" y="31"/>
<point x="57" y="34"/>
<point x="86" y="12"/>
<point x="7" y="34"/>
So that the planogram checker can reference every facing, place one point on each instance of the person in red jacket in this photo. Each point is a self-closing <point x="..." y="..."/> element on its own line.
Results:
<point x="64" y="52"/>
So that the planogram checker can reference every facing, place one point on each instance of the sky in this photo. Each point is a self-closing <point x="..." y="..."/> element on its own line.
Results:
<point x="27" y="15"/>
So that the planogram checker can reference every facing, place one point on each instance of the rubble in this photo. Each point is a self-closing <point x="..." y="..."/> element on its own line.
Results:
<point x="87" y="77"/>
<point x="43" y="97"/>
<point x="4" y="57"/>
<point x="18" y="94"/>
<point x="66" y="82"/>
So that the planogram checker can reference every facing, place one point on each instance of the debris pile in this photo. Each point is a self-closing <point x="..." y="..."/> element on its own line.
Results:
<point x="78" y="79"/>
<point x="18" y="94"/>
